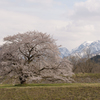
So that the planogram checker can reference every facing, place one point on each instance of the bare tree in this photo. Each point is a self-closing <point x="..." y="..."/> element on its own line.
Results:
<point x="85" y="64"/>
<point x="88" y="64"/>
<point x="74" y="60"/>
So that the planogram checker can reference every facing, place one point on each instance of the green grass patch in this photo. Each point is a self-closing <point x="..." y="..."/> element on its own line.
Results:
<point x="58" y="84"/>
<point x="51" y="85"/>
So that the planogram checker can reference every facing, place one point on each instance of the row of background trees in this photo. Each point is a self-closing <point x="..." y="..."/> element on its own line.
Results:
<point x="86" y="64"/>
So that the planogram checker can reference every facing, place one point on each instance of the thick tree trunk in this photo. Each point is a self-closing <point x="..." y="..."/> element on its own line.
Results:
<point x="22" y="80"/>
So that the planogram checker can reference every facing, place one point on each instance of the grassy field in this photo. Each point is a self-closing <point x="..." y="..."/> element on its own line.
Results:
<point x="87" y="77"/>
<point x="84" y="75"/>
<point x="73" y="91"/>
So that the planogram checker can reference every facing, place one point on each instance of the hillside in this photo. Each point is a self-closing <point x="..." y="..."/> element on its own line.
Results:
<point x="87" y="78"/>
<point x="96" y="59"/>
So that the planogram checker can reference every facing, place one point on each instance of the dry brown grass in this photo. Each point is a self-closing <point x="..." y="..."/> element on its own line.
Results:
<point x="74" y="91"/>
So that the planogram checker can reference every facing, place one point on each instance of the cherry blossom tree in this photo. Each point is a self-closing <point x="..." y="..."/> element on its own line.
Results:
<point x="28" y="54"/>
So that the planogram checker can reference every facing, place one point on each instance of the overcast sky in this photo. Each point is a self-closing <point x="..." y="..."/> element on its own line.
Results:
<point x="71" y="22"/>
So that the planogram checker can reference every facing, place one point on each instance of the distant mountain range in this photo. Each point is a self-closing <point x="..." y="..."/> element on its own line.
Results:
<point x="92" y="47"/>
<point x="64" y="52"/>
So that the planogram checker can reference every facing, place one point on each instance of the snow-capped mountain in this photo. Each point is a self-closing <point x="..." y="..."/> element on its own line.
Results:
<point x="81" y="50"/>
<point x="92" y="47"/>
<point x="64" y="52"/>
<point x="81" y="47"/>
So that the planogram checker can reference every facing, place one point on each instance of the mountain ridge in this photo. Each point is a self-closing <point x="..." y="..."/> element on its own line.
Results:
<point x="92" y="47"/>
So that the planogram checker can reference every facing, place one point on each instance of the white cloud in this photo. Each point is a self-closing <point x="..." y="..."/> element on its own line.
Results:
<point x="90" y="5"/>
<point x="14" y="22"/>
<point x="84" y="22"/>
<point x="81" y="23"/>
<point x="86" y="10"/>
<point x="45" y="2"/>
